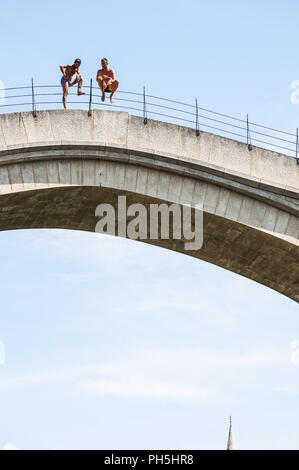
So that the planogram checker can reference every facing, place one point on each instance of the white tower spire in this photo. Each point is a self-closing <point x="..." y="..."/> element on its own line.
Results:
<point x="231" y="440"/>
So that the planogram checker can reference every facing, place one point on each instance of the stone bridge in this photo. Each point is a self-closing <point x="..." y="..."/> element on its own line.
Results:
<point x="56" y="168"/>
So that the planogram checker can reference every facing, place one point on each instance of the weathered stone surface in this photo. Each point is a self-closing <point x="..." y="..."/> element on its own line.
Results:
<point x="56" y="169"/>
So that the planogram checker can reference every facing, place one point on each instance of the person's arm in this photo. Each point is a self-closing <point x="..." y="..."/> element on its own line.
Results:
<point x="62" y="68"/>
<point x="108" y="77"/>
<point x="105" y="78"/>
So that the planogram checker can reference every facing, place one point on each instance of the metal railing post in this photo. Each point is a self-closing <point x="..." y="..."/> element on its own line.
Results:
<point x="33" y="100"/>
<point x="197" y="121"/>
<point x="297" y="159"/>
<point x="144" y="108"/>
<point x="261" y="134"/>
<point x="249" y="145"/>
<point x="90" y="99"/>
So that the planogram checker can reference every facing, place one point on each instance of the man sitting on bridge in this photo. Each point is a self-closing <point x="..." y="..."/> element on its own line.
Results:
<point x="67" y="74"/>
<point x="106" y="80"/>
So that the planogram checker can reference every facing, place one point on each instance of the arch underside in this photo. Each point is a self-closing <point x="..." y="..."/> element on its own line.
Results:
<point x="253" y="253"/>
<point x="57" y="167"/>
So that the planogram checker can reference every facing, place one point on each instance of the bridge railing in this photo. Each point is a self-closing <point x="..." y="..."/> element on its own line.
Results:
<point x="38" y="97"/>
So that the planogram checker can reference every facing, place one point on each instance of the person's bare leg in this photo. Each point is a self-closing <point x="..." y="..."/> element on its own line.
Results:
<point x="65" y="87"/>
<point x="78" y="80"/>
<point x="113" y="88"/>
<point x="102" y="85"/>
<point x="80" y="83"/>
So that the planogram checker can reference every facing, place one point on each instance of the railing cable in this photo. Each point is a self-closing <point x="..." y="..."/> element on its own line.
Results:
<point x="191" y="115"/>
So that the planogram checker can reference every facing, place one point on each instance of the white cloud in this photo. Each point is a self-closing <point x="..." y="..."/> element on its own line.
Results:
<point x="9" y="446"/>
<point x="79" y="244"/>
<point x="138" y="387"/>
<point x="78" y="278"/>
<point x="159" y="373"/>
<point x="105" y="250"/>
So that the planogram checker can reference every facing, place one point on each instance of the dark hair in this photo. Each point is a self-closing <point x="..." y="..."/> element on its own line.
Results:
<point x="104" y="58"/>
<point x="78" y="61"/>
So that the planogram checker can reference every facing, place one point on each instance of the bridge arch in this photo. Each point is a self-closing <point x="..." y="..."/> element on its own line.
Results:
<point x="55" y="169"/>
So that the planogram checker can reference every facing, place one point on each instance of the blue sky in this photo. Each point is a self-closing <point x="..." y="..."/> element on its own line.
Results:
<point x="111" y="343"/>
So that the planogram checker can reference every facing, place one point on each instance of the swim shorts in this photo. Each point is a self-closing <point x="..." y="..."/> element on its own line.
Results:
<point x="65" y="80"/>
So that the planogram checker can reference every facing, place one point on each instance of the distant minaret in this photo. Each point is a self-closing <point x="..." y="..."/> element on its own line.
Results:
<point x="231" y="441"/>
